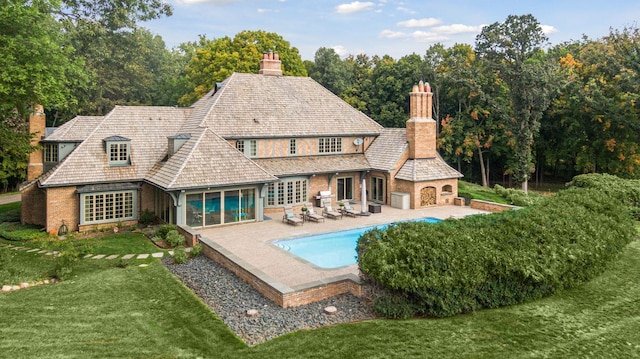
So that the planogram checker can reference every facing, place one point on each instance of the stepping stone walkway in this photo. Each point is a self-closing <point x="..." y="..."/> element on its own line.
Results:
<point x="142" y="256"/>
<point x="99" y="256"/>
<point x="128" y="256"/>
<point x="113" y="256"/>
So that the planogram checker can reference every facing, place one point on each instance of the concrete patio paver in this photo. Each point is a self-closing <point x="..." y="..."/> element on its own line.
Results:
<point x="252" y="243"/>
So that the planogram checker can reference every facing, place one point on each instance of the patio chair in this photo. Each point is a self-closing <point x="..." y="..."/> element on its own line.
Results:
<point x="290" y="217"/>
<point x="346" y="209"/>
<point x="312" y="215"/>
<point x="329" y="212"/>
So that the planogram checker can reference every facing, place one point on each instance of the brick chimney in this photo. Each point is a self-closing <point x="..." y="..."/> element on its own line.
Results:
<point x="37" y="129"/>
<point x="270" y="64"/>
<point x="421" y="128"/>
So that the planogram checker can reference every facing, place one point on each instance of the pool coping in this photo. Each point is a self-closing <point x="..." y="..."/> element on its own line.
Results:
<point x="246" y="250"/>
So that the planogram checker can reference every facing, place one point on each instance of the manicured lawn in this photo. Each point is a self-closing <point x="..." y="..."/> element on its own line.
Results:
<point x="479" y="192"/>
<point x="145" y="312"/>
<point x="120" y="243"/>
<point x="19" y="266"/>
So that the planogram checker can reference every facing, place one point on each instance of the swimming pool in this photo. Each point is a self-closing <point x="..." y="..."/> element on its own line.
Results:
<point x="332" y="250"/>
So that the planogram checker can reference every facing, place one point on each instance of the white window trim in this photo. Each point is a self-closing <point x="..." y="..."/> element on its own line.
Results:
<point x="119" y="161"/>
<point x="133" y="216"/>
<point x="292" y="190"/>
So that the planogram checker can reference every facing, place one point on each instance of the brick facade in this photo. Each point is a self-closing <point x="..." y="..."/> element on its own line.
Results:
<point x="62" y="204"/>
<point x="34" y="206"/>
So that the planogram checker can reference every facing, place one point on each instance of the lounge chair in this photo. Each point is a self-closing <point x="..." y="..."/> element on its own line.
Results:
<point x="346" y="209"/>
<point x="312" y="215"/>
<point x="329" y="212"/>
<point x="290" y="217"/>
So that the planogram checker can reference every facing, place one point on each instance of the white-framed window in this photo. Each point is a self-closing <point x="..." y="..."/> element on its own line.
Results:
<point x="293" y="146"/>
<point x="330" y="145"/>
<point x="107" y="207"/>
<point x="248" y="147"/>
<point x="289" y="191"/>
<point x="51" y="152"/>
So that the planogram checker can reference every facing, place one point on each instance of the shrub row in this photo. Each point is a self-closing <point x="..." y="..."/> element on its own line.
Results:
<point x="517" y="197"/>
<point x="489" y="261"/>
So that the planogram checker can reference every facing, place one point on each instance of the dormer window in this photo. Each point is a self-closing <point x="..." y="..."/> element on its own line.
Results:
<point x="118" y="150"/>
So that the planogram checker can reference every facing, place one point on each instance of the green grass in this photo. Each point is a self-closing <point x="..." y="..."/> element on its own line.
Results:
<point x="10" y="212"/>
<point x="102" y="311"/>
<point x="472" y="190"/>
<point x="120" y="243"/>
<point x="19" y="266"/>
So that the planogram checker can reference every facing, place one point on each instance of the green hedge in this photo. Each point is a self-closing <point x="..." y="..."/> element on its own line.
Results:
<point x="489" y="261"/>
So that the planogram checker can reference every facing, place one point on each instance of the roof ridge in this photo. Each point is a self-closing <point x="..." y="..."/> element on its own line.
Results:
<point x="187" y="158"/>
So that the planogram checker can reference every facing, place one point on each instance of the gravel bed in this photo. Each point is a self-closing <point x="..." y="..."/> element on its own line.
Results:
<point x="230" y="298"/>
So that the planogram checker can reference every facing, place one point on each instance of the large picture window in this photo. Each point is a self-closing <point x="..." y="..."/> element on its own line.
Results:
<point x="220" y="207"/>
<point x="293" y="191"/>
<point x="108" y="207"/>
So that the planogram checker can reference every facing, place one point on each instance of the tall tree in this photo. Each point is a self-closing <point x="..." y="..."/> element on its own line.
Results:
<point x="514" y="49"/>
<point x="215" y="60"/>
<point x="330" y="71"/>
<point x="36" y="68"/>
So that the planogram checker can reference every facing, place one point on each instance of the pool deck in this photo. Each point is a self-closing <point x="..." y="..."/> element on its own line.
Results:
<point x="251" y="245"/>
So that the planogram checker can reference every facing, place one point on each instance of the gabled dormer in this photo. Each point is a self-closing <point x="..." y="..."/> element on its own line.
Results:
<point x="175" y="142"/>
<point x="118" y="150"/>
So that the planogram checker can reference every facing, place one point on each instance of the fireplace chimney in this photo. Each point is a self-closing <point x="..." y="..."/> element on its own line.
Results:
<point x="270" y="64"/>
<point x="421" y="128"/>
<point x="37" y="123"/>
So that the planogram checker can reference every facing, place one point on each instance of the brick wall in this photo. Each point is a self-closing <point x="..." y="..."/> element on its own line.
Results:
<point x="62" y="204"/>
<point x="34" y="206"/>
<point x="442" y="199"/>
<point x="490" y="206"/>
<point x="284" y="297"/>
<point x="146" y="198"/>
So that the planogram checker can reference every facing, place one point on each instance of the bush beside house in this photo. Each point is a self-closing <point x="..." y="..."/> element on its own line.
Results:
<point x="495" y="260"/>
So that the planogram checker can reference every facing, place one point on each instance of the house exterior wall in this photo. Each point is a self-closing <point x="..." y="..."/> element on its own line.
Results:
<point x="34" y="206"/>
<point x="62" y="204"/>
<point x="146" y="199"/>
<point x="279" y="147"/>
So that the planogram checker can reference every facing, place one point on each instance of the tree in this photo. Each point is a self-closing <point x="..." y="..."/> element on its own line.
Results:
<point x="215" y="60"/>
<point x="37" y="68"/>
<point x="513" y="48"/>
<point x="330" y="71"/>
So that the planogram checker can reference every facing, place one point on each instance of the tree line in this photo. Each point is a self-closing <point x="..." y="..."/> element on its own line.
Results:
<point x="511" y="106"/>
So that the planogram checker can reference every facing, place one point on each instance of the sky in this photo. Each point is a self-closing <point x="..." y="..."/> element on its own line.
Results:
<point x="386" y="27"/>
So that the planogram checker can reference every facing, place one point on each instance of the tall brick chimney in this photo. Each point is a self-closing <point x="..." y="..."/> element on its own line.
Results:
<point x="421" y="128"/>
<point x="270" y="64"/>
<point x="37" y="123"/>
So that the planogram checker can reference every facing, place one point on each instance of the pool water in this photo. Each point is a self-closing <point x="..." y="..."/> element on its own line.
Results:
<point x="332" y="250"/>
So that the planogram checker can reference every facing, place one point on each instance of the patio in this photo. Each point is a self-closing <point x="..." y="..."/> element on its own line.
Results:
<point x="249" y="246"/>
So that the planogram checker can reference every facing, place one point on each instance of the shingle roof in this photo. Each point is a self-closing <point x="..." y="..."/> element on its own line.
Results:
<point x="146" y="126"/>
<point x="428" y="169"/>
<point x="206" y="160"/>
<point x="386" y="149"/>
<point x="75" y="130"/>
<point x="291" y="166"/>
<point x="258" y="106"/>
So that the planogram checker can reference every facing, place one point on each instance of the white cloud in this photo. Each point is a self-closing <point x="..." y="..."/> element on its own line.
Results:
<point x="340" y="50"/>
<point x="389" y="34"/>
<point x="457" y="29"/>
<point x="426" y="22"/>
<point x="427" y="36"/>
<point x="354" y="7"/>
<point x="267" y="10"/>
<point x="404" y="9"/>
<point x="548" y="29"/>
